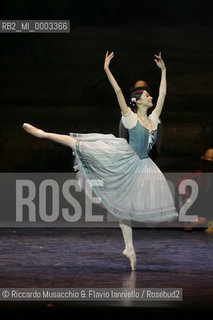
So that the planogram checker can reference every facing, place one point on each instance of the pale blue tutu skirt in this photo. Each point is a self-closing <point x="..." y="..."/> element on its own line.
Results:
<point x="132" y="188"/>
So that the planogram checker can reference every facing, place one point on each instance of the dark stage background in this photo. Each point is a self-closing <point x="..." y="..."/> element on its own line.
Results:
<point x="57" y="81"/>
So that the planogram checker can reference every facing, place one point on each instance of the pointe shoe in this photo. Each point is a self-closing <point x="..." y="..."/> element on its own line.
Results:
<point x="33" y="130"/>
<point x="130" y="254"/>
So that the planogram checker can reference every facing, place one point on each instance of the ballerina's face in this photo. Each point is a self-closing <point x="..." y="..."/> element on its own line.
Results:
<point x="145" y="100"/>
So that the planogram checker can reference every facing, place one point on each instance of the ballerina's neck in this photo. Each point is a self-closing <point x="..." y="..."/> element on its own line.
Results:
<point x="146" y="123"/>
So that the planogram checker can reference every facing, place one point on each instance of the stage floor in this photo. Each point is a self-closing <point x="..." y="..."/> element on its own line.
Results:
<point x="92" y="258"/>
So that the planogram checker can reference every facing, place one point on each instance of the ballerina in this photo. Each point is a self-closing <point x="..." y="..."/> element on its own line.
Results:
<point x="134" y="188"/>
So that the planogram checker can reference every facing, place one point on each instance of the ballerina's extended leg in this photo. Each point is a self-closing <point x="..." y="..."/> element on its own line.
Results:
<point x="59" y="138"/>
<point x="129" y="250"/>
<point x="66" y="140"/>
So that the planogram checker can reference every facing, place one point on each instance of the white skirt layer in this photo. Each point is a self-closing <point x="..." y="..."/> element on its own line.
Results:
<point x="132" y="188"/>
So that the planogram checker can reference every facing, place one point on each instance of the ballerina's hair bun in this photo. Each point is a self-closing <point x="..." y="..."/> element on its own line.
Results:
<point x="135" y="96"/>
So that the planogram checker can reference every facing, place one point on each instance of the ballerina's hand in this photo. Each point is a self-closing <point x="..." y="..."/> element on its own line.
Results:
<point x="108" y="58"/>
<point x="159" y="62"/>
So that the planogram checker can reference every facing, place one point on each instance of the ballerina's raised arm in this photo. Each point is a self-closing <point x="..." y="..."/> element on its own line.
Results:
<point x="163" y="85"/>
<point x="117" y="89"/>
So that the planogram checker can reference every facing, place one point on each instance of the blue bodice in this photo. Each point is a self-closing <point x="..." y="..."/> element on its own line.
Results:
<point x="141" y="139"/>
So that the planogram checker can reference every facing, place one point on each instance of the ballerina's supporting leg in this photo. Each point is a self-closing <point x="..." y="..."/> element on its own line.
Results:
<point x="59" y="138"/>
<point x="129" y="250"/>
